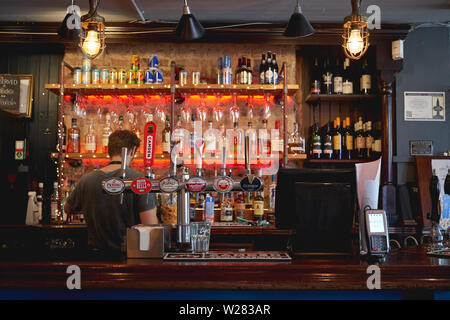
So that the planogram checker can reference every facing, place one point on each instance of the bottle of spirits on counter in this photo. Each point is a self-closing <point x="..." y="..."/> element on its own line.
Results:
<point x="209" y="208"/>
<point x="264" y="140"/>
<point x="239" y="71"/>
<point x="275" y="69"/>
<point x="316" y="143"/>
<point x="178" y="137"/>
<point x="239" y="205"/>
<point x="347" y="86"/>
<point x="253" y="140"/>
<point x="166" y="137"/>
<point x="328" y="143"/>
<point x="337" y="140"/>
<point x="211" y="141"/>
<point x="106" y="133"/>
<point x="73" y="139"/>
<point x="327" y="76"/>
<point x="316" y="84"/>
<point x="366" y="79"/>
<point x="244" y="73"/>
<point x="258" y="207"/>
<point x="348" y="140"/>
<point x="193" y="135"/>
<point x="262" y="70"/>
<point x="90" y="142"/>
<point x="296" y="141"/>
<point x="54" y="215"/>
<point x="226" y="211"/>
<point x="269" y="69"/>
<point x="338" y="78"/>
<point x="275" y="136"/>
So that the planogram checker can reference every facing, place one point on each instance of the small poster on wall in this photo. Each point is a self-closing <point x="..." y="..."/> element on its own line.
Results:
<point x="424" y="106"/>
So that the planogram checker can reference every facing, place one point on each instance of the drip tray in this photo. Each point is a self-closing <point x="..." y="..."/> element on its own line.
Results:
<point x="229" y="256"/>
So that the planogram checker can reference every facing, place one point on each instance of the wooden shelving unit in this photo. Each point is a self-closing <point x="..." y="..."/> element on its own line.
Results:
<point x="119" y="89"/>
<point x="316" y="98"/>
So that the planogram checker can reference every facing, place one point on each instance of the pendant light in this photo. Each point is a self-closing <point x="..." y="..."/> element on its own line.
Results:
<point x="188" y="27"/>
<point x="356" y="33"/>
<point x="92" y="38"/>
<point x="298" y="25"/>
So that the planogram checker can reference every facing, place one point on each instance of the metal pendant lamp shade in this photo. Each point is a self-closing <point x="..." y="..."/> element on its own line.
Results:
<point x="298" y="25"/>
<point x="188" y="27"/>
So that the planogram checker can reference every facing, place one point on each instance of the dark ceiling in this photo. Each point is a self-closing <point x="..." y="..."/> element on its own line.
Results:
<point x="229" y="11"/>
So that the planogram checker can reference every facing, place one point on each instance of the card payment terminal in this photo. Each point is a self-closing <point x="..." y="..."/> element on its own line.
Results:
<point x="374" y="233"/>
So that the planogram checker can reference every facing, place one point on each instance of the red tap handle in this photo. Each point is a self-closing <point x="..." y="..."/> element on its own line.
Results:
<point x="149" y="143"/>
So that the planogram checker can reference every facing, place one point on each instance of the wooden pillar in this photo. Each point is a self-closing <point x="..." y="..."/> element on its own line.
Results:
<point x="387" y="132"/>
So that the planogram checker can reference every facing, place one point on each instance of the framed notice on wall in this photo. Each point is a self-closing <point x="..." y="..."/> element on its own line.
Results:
<point x="16" y="94"/>
<point x="424" y="106"/>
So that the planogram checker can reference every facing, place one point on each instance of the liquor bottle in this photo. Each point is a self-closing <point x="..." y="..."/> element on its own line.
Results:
<point x="360" y="139"/>
<point x="90" y="141"/>
<point x="239" y="205"/>
<point x="193" y="136"/>
<point x="328" y="142"/>
<point x="264" y="140"/>
<point x="120" y="123"/>
<point x="253" y="140"/>
<point x="316" y="77"/>
<point x="211" y="143"/>
<point x="54" y="204"/>
<point x="226" y="210"/>
<point x="316" y="143"/>
<point x="106" y="133"/>
<point x="338" y="77"/>
<point x="243" y="74"/>
<point x="73" y="137"/>
<point x="275" y="69"/>
<point x="40" y="200"/>
<point x="447" y="183"/>
<point x="272" y="192"/>
<point x="369" y="140"/>
<point x="269" y="69"/>
<point x="262" y="70"/>
<point x="366" y="79"/>
<point x="219" y="79"/>
<point x="209" y="208"/>
<point x="275" y="136"/>
<point x="337" y="140"/>
<point x="348" y="140"/>
<point x="296" y="142"/>
<point x="178" y="137"/>
<point x="376" y="147"/>
<point x="249" y="72"/>
<point x="327" y="77"/>
<point x="166" y="137"/>
<point x="237" y="139"/>
<point x="238" y="71"/>
<point x="347" y="85"/>
<point x="258" y="207"/>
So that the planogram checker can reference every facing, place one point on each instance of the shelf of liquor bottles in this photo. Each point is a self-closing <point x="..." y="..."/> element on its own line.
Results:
<point x="317" y="98"/>
<point x="137" y="89"/>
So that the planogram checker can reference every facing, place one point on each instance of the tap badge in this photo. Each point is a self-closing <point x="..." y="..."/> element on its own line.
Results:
<point x="168" y="185"/>
<point x="223" y="184"/>
<point x="196" y="184"/>
<point x="141" y="185"/>
<point x="251" y="183"/>
<point x="113" y="186"/>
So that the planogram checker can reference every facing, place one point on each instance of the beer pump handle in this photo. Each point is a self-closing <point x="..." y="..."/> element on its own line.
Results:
<point x="124" y="166"/>
<point x="247" y="154"/>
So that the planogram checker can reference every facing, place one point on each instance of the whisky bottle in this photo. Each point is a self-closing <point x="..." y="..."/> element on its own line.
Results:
<point x="239" y="205"/>
<point x="73" y="137"/>
<point x="296" y="141"/>
<point x="90" y="142"/>
<point x="258" y="207"/>
<point x="166" y="137"/>
<point x="106" y="133"/>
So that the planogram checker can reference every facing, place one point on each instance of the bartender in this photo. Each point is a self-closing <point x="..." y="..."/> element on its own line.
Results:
<point x="107" y="219"/>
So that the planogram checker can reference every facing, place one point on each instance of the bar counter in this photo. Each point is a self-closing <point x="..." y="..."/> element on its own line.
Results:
<point x="404" y="269"/>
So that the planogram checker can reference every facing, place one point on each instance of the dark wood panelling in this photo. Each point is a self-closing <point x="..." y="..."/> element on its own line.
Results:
<point x="42" y="61"/>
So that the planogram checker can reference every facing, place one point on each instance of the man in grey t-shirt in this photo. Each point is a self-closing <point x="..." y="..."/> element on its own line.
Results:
<point x="107" y="219"/>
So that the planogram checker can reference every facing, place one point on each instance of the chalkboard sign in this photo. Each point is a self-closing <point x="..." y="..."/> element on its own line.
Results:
<point x="16" y="94"/>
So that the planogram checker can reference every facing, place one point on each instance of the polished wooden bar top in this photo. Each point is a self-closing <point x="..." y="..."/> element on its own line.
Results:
<point x="404" y="269"/>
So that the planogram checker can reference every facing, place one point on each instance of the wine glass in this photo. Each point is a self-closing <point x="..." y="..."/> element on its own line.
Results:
<point x="234" y="110"/>
<point x="202" y="111"/>
<point x="218" y="110"/>
<point x="186" y="112"/>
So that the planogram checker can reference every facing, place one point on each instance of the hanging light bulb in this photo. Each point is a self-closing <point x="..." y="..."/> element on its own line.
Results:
<point x="356" y="33"/>
<point x="92" y="39"/>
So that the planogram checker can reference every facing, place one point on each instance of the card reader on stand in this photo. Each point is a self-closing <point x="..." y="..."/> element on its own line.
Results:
<point x="374" y="234"/>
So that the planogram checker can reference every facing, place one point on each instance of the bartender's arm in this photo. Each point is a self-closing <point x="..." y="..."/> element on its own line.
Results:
<point x="148" y="216"/>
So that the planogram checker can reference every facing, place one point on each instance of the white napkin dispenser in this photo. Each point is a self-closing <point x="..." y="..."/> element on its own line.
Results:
<point x="148" y="241"/>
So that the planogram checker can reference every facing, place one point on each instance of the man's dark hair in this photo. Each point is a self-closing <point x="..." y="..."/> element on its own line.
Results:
<point x="122" y="139"/>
